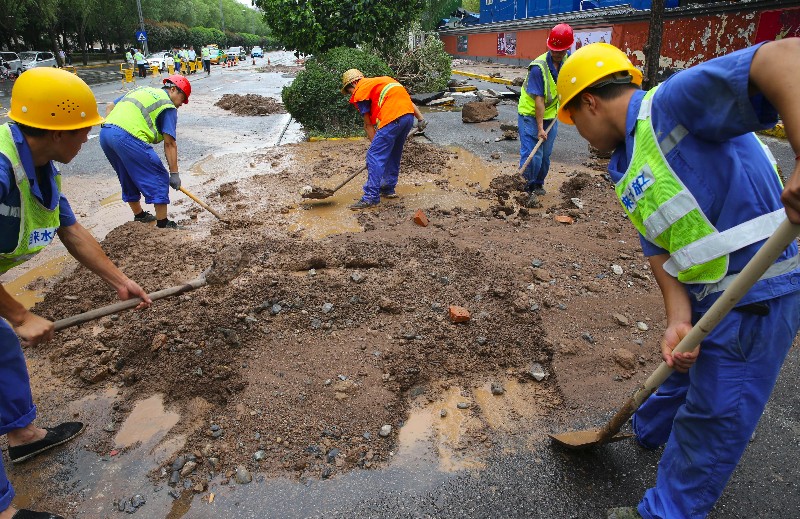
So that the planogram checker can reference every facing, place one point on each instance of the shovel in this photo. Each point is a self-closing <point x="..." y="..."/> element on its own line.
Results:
<point x="755" y="268"/>
<point x="225" y="267"/>
<point x="202" y="204"/>
<point x="319" y="193"/>
<point x="538" y="143"/>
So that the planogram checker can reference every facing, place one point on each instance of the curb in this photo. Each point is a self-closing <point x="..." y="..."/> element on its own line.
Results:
<point x="319" y="139"/>
<point x="483" y="77"/>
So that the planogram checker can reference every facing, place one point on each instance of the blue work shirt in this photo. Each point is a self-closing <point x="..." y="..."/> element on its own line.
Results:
<point x="166" y="122"/>
<point x="364" y="107"/>
<point x="720" y="161"/>
<point x="47" y="193"/>
<point x="535" y="85"/>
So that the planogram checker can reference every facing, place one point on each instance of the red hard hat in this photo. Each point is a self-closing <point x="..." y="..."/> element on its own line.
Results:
<point x="561" y="37"/>
<point x="183" y="85"/>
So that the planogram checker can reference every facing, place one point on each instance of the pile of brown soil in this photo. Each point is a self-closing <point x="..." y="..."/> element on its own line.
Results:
<point x="250" y="104"/>
<point x="317" y="345"/>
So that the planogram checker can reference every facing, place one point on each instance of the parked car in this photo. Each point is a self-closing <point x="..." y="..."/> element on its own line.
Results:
<point x="159" y="59"/>
<point x="257" y="52"/>
<point x="34" y="59"/>
<point x="239" y="52"/>
<point x="13" y="62"/>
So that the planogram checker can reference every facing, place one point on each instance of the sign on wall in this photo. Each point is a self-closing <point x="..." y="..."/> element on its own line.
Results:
<point x="507" y="44"/>
<point x="461" y="43"/>
<point x="600" y="35"/>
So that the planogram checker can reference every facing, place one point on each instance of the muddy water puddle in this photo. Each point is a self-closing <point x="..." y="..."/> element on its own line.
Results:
<point x="466" y="174"/>
<point x="28" y="288"/>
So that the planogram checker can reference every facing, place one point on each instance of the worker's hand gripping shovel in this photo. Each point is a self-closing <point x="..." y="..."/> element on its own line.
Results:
<point x="227" y="264"/>
<point x="536" y="148"/>
<point x="202" y="204"/>
<point x="755" y="268"/>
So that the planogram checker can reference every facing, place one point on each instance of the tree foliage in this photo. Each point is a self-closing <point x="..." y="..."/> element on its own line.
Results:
<point x="315" y="26"/>
<point x="315" y="99"/>
<point x="80" y="25"/>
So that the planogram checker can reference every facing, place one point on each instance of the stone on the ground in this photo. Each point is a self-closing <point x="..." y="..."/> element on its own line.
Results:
<point x="242" y="475"/>
<point x="642" y="326"/>
<point x="478" y="112"/>
<point x="188" y="468"/>
<point x="537" y="372"/>
<point x="616" y="269"/>
<point x="625" y="358"/>
<point x="458" y="314"/>
<point x="497" y="388"/>
<point x="426" y="97"/>
<point x="509" y="125"/>
<point x="441" y="101"/>
<point x="621" y="319"/>
<point x="385" y="431"/>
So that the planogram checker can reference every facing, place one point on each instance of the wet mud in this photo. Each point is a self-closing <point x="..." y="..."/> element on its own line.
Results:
<point x="250" y="104"/>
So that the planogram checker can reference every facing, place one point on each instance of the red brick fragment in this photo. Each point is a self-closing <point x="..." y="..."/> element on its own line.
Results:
<point x="420" y="218"/>
<point x="458" y="314"/>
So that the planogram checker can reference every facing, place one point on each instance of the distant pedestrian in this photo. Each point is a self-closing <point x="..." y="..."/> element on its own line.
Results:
<point x="62" y="57"/>
<point x="140" y="63"/>
<point x="192" y="59"/>
<point x="129" y="57"/>
<point x="206" y="55"/>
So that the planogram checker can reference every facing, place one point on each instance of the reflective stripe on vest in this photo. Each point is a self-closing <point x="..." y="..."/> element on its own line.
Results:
<point x="141" y="122"/>
<point x="38" y="224"/>
<point x="527" y="104"/>
<point x="670" y="217"/>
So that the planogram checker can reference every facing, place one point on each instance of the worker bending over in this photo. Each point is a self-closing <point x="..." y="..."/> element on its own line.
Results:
<point x="704" y="192"/>
<point x="135" y="121"/>
<point x="388" y="118"/>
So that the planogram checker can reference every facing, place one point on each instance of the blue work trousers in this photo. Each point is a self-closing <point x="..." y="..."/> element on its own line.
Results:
<point x="707" y="416"/>
<point x="539" y="166"/>
<point x="383" y="158"/>
<point x="138" y="166"/>
<point x="16" y="402"/>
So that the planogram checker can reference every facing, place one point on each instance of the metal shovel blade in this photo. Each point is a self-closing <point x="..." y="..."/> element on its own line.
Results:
<point x="586" y="439"/>
<point x="318" y="193"/>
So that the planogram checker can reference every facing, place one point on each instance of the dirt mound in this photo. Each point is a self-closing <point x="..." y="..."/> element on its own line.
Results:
<point x="283" y="69"/>
<point x="250" y="104"/>
<point x="317" y="346"/>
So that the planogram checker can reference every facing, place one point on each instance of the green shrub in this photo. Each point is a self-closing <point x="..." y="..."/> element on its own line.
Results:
<point x="314" y="99"/>
<point x="426" y="68"/>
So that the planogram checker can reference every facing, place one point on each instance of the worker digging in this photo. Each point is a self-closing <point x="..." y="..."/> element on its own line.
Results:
<point x="134" y="122"/>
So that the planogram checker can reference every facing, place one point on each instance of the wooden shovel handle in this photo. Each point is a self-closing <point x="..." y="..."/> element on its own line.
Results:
<point x="201" y="203"/>
<point x="538" y="143"/>
<point x="348" y="179"/>
<point x="786" y="233"/>
<point x="127" y="304"/>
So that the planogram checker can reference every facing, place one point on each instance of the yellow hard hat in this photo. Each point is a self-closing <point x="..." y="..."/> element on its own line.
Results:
<point x="586" y="67"/>
<point x="349" y="76"/>
<point x="53" y="99"/>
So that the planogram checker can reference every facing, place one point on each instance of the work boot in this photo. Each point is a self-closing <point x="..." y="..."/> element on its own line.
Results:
<point x="391" y="195"/>
<point x="57" y="435"/>
<point x="625" y="512"/>
<point x="144" y="217"/>
<point x="30" y="514"/>
<point x="539" y="191"/>
<point x="168" y="224"/>
<point x="533" y="201"/>
<point x="363" y="204"/>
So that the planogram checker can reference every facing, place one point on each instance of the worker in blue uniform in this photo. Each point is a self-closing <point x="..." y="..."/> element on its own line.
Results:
<point x="537" y="108"/>
<point x="32" y="212"/>
<point x="704" y="193"/>
<point x="135" y="122"/>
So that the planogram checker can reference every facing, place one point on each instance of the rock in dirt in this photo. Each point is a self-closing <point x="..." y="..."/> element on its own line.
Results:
<point x="537" y="372"/>
<point x="497" y="389"/>
<point x="242" y="475"/>
<point x="385" y="431"/>
<point x="250" y="104"/>
<point x="458" y="314"/>
<point x="621" y="319"/>
<point x="625" y="358"/>
<point x="478" y="112"/>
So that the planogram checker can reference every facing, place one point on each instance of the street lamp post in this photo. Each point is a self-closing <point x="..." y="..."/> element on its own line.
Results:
<point x="141" y="26"/>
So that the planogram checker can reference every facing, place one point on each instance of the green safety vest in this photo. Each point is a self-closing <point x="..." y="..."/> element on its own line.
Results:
<point x="204" y="53"/>
<point x="38" y="224"/>
<point x="136" y="113"/>
<point x="527" y="104"/>
<point x="668" y="215"/>
<point x="138" y="57"/>
<point x="128" y="56"/>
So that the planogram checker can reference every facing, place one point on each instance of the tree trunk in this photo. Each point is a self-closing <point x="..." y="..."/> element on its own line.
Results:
<point x="82" y="43"/>
<point x="652" y="50"/>
<point x="56" y="46"/>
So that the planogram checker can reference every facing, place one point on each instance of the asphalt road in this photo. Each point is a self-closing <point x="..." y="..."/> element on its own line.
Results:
<point x="543" y="482"/>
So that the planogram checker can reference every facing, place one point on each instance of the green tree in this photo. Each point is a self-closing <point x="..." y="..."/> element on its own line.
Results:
<point x="435" y="10"/>
<point x="315" y="26"/>
<point x="473" y="6"/>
